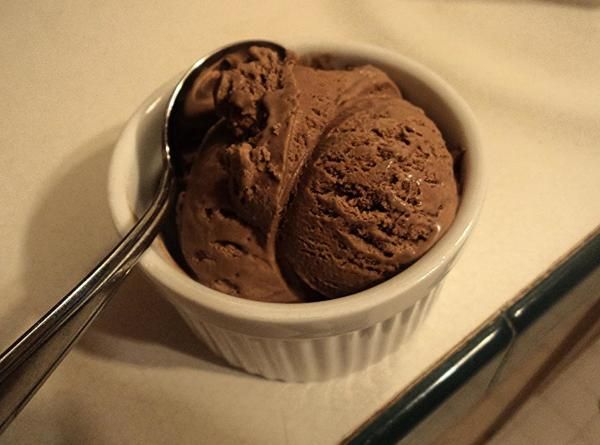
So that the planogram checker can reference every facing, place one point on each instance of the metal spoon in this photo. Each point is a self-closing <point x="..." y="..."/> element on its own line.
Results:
<point x="28" y="362"/>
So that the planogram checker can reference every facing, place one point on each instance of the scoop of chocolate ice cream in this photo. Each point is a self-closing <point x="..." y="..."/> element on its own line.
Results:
<point x="377" y="196"/>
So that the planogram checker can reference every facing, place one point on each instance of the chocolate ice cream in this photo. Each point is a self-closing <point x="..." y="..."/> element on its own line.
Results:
<point x="312" y="183"/>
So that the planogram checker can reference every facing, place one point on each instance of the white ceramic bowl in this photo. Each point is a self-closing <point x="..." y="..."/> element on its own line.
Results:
<point x="309" y="341"/>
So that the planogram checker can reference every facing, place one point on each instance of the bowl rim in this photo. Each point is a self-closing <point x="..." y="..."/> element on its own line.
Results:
<point x="329" y="316"/>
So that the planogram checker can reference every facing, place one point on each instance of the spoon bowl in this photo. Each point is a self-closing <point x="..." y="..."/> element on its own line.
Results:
<point x="185" y="107"/>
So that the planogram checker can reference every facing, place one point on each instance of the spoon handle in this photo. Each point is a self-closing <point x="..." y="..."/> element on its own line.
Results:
<point x="28" y="362"/>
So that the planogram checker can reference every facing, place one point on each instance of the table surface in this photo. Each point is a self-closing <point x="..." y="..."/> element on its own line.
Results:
<point x="71" y="74"/>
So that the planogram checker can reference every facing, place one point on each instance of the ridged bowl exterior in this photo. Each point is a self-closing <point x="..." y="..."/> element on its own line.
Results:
<point x="310" y="359"/>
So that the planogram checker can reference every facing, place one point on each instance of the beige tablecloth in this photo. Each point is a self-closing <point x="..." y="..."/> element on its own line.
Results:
<point x="73" y="71"/>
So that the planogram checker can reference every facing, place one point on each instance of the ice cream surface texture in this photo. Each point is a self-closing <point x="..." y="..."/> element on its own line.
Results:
<point x="312" y="183"/>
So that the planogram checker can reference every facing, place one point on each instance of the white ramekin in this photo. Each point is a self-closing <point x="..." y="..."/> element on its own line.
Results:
<point x="320" y="340"/>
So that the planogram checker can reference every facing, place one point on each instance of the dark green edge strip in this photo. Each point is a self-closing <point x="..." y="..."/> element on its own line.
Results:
<point x="535" y="303"/>
<point x="399" y="418"/>
<point x="404" y="414"/>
